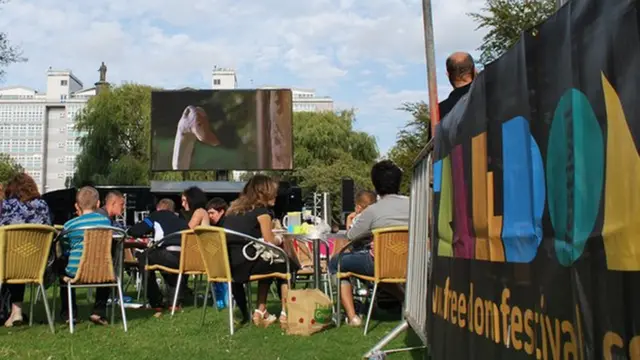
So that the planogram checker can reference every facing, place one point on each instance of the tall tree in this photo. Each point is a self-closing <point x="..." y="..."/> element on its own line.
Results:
<point x="115" y="140"/>
<point x="8" y="168"/>
<point x="505" y="20"/>
<point x="411" y="140"/>
<point x="8" y="54"/>
<point x="328" y="148"/>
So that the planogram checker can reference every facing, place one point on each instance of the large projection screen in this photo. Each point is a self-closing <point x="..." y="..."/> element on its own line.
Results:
<point x="221" y="130"/>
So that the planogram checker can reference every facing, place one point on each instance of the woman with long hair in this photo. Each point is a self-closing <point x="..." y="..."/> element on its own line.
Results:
<point x="21" y="205"/>
<point x="250" y="215"/>
<point x="194" y="202"/>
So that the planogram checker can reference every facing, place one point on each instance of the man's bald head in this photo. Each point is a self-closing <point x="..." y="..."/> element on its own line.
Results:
<point x="460" y="69"/>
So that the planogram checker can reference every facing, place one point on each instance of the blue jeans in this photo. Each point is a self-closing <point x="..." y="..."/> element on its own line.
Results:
<point x="360" y="262"/>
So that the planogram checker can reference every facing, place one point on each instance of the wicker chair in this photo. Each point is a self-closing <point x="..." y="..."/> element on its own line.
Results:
<point x="213" y="247"/>
<point x="96" y="268"/>
<point x="190" y="263"/>
<point x="24" y="251"/>
<point x="212" y="243"/>
<point x="391" y="249"/>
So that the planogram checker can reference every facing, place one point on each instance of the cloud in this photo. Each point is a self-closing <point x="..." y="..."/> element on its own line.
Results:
<point x="363" y="53"/>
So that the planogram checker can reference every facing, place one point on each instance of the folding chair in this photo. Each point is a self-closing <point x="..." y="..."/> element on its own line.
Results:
<point x="96" y="268"/>
<point x="24" y="251"/>
<point x="391" y="249"/>
<point x="212" y="243"/>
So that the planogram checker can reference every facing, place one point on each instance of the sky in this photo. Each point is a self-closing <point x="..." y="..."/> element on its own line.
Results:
<point x="367" y="55"/>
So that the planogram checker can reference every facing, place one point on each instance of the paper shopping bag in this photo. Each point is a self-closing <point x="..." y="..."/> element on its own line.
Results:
<point x="308" y="311"/>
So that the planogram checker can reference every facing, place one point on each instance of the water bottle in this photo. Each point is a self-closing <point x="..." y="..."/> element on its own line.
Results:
<point x="221" y="295"/>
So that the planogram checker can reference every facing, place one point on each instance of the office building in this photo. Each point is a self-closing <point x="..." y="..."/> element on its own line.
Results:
<point x="37" y="129"/>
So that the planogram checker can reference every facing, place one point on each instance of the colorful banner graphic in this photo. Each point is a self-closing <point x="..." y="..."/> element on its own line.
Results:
<point x="537" y="197"/>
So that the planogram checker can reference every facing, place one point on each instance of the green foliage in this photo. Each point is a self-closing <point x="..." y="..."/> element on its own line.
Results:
<point x="327" y="149"/>
<point x="505" y="20"/>
<point x="115" y="144"/>
<point x="411" y="140"/>
<point x="8" y="54"/>
<point x="8" y="168"/>
<point x="116" y="140"/>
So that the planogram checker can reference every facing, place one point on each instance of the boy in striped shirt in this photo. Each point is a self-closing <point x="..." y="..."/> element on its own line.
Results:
<point x="87" y="202"/>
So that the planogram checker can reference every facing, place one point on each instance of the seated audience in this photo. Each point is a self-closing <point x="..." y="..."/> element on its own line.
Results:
<point x="113" y="206"/>
<point x="391" y="210"/>
<point x="163" y="222"/>
<point x="363" y="199"/>
<point x="194" y="202"/>
<point x="217" y="209"/>
<point x="21" y="205"/>
<point x="87" y="204"/>
<point x="250" y="215"/>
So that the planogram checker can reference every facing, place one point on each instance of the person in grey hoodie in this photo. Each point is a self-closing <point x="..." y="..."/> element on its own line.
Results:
<point x="392" y="209"/>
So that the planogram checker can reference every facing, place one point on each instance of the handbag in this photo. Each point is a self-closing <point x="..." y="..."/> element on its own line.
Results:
<point x="263" y="252"/>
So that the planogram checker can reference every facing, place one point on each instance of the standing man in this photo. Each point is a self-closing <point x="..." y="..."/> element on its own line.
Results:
<point x="461" y="71"/>
<point x="113" y="206"/>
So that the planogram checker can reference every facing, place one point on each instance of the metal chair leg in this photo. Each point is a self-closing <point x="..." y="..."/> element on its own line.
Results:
<point x="113" y="306"/>
<point x="31" y="300"/>
<point x="46" y="308"/>
<point x="138" y="285"/>
<point x="37" y="295"/>
<point x="230" y="308"/>
<point x="338" y="300"/>
<point x="124" y="314"/>
<point x="373" y="301"/>
<point x="69" y="300"/>
<point x="175" y="296"/>
<point x="205" y="306"/>
<point x="55" y="295"/>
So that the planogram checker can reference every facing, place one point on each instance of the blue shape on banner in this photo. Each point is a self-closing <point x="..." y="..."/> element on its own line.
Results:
<point x="437" y="176"/>
<point x="523" y="191"/>
<point x="575" y="174"/>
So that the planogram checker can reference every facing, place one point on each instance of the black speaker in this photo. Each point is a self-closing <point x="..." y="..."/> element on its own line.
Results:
<point x="295" y="199"/>
<point x="289" y="199"/>
<point x="348" y="195"/>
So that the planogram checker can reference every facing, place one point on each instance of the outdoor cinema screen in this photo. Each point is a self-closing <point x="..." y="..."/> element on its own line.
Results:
<point x="221" y="130"/>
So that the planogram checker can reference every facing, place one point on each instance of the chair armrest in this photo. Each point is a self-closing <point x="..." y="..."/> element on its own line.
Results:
<point x="251" y="239"/>
<point x="121" y="233"/>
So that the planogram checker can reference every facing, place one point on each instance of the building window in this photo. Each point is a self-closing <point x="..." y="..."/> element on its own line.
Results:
<point x="216" y="81"/>
<point x="64" y="83"/>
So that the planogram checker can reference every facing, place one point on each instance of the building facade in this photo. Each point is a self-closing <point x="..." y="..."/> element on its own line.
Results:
<point x="38" y="129"/>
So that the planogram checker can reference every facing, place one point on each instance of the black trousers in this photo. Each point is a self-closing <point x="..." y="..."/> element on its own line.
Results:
<point x="17" y="292"/>
<point x="163" y="257"/>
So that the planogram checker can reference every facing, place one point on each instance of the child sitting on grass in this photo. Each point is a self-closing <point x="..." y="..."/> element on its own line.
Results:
<point x="87" y="202"/>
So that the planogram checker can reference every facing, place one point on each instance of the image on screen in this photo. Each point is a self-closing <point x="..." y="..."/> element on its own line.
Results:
<point x="221" y="130"/>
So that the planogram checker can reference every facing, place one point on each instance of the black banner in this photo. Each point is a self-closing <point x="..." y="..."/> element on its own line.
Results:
<point x="537" y="197"/>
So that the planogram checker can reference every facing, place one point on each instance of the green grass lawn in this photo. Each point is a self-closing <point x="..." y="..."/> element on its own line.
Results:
<point x="183" y="337"/>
